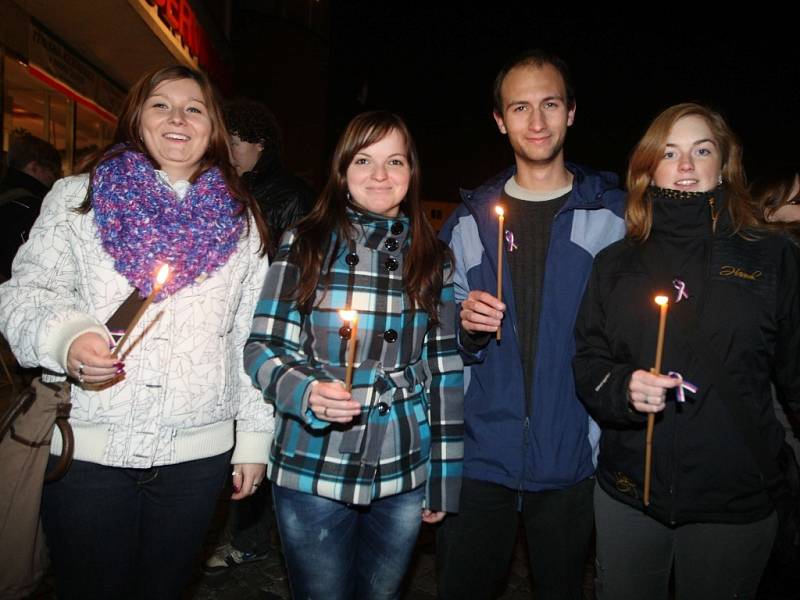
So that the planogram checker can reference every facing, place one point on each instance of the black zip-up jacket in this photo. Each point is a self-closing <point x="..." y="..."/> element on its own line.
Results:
<point x="283" y="198"/>
<point x="746" y="295"/>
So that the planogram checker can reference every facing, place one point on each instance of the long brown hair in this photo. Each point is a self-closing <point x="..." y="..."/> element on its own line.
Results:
<point x="127" y="137"/>
<point x="422" y="269"/>
<point x="773" y="190"/>
<point x="649" y="152"/>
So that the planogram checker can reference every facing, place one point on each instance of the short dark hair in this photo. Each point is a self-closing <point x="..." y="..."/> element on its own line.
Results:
<point x="534" y="58"/>
<point x="24" y="148"/>
<point x="253" y="122"/>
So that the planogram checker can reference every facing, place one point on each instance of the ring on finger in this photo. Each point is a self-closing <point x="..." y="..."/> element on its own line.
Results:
<point x="325" y="411"/>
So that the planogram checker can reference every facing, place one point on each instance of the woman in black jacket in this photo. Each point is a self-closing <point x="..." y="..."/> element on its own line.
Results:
<point x="733" y="327"/>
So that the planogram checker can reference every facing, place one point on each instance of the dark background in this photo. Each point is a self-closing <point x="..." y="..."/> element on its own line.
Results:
<point x="435" y="62"/>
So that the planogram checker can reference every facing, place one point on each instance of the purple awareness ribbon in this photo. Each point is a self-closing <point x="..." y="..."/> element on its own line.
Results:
<point x="685" y="385"/>
<point x="510" y="245"/>
<point x="680" y="288"/>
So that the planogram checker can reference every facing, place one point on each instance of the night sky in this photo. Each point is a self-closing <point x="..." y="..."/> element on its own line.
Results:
<point x="435" y="64"/>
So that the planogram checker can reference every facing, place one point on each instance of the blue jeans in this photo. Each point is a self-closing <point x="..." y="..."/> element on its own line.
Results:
<point x="338" y="551"/>
<point x="129" y="533"/>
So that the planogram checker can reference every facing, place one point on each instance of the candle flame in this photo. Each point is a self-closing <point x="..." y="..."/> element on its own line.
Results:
<point x="348" y="315"/>
<point x="661" y="300"/>
<point x="162" y="275"/>
<point x="499" y="210"/>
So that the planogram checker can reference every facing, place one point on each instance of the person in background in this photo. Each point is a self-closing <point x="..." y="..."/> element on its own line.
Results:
<point x="733" y="328"/>
<point x="256" y="151"/>
<point x="356" y="473"/>
<point x="33" y="167"/>
<point x="777" y="198"/>
<point x="257" y="155"/>
<point x="157" y="427"/>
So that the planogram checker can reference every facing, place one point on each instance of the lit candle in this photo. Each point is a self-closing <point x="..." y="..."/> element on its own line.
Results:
<point x="663" y="303"/>
<point x="501" y="217"/>
<point x="161" y="279"/>
<point x="351" y="318"/>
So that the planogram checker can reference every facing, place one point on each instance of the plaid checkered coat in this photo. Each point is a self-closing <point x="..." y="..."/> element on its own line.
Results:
<point x="408" y="376"/>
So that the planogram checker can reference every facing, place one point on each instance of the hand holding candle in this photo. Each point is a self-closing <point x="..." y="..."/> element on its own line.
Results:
<point x="350" y="317"/>
<point x="161" y="278"/>
<point x="663" y="303"/>
<point x="500" y="235"/>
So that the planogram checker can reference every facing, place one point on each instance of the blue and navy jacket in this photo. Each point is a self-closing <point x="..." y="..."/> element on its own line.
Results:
<point x="551" y="442"/>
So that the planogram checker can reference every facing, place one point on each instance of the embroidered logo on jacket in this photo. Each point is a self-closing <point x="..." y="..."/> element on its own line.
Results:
<point x="625" y="484"/>
<point x="731" y="271"/>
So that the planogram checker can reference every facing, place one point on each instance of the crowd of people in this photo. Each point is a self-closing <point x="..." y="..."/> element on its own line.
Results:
<point x="337" y="359"/>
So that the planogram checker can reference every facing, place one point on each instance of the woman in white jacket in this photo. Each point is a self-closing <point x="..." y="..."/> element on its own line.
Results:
<point x="154" y="427"/>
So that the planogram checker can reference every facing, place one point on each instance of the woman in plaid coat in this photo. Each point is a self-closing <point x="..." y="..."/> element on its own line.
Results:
<point x="354" y="474"/>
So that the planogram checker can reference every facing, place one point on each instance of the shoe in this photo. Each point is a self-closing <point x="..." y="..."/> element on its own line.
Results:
<point x="226" y="557"/>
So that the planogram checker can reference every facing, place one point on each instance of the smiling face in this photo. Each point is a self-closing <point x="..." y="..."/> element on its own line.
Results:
<point x="535" y="112"/>
<point x="692" y="161"/>
<point x="378" y="176"/>
<point x="175" y="127"/>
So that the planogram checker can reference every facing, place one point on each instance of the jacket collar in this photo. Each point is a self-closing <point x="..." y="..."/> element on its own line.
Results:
<point x="374" y="231"/>
<point x="588" y="188"/>
<point x="688" y="214"/>
<point x="15" y="178"/>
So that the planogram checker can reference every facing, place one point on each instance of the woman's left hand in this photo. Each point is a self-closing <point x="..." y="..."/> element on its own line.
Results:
<point x="246" y="479"/>
<point x="432" y="516"/>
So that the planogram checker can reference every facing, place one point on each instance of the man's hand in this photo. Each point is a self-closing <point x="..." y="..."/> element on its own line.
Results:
<point x="481" y="312"/>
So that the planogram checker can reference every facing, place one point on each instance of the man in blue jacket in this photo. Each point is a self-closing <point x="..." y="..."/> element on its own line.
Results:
<point x="529" y="444"/>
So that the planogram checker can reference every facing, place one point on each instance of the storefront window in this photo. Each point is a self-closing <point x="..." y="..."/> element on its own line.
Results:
<point x="92" y="133"/>
<point x="31" y="106"/>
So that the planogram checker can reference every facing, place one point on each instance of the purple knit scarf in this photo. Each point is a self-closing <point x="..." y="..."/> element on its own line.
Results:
<point x="143" y="224"/>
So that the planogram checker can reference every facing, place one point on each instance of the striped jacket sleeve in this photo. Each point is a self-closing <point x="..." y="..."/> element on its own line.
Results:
<point x="273" y="356"/>
<point x="445" y="390"/>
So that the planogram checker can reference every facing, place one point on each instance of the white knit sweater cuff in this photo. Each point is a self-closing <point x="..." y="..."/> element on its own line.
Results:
<point x="56" y="345"/>
<point x="251" y="447"/>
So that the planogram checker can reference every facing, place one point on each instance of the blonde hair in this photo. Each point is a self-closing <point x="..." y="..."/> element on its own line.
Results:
<point x="649" y="151"/>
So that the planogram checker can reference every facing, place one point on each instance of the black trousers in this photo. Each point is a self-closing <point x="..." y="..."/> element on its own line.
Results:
<point x="475" y="546"/>
<point x="712" y="561"/>
<point x="129" y="533"/>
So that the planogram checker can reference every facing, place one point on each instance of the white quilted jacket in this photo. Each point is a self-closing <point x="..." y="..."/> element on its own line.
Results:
<point x="185" y="383"/>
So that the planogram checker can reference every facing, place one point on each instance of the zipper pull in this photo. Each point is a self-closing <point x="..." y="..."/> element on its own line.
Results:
<point x="714" y="215"/>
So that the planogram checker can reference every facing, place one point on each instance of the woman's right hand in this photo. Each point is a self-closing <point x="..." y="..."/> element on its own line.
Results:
<point x="331" y="402"/>
<point x="647" y="392"/>
<point x="89" y="360"/>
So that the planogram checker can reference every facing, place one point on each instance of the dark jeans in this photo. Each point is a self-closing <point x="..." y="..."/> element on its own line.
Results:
<point x="250" y="521"/>
<point x="474" y="547"/>
<point x="636" y="555"/>
<point x="129" y="533"/>
<point x="338" y="551"/>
